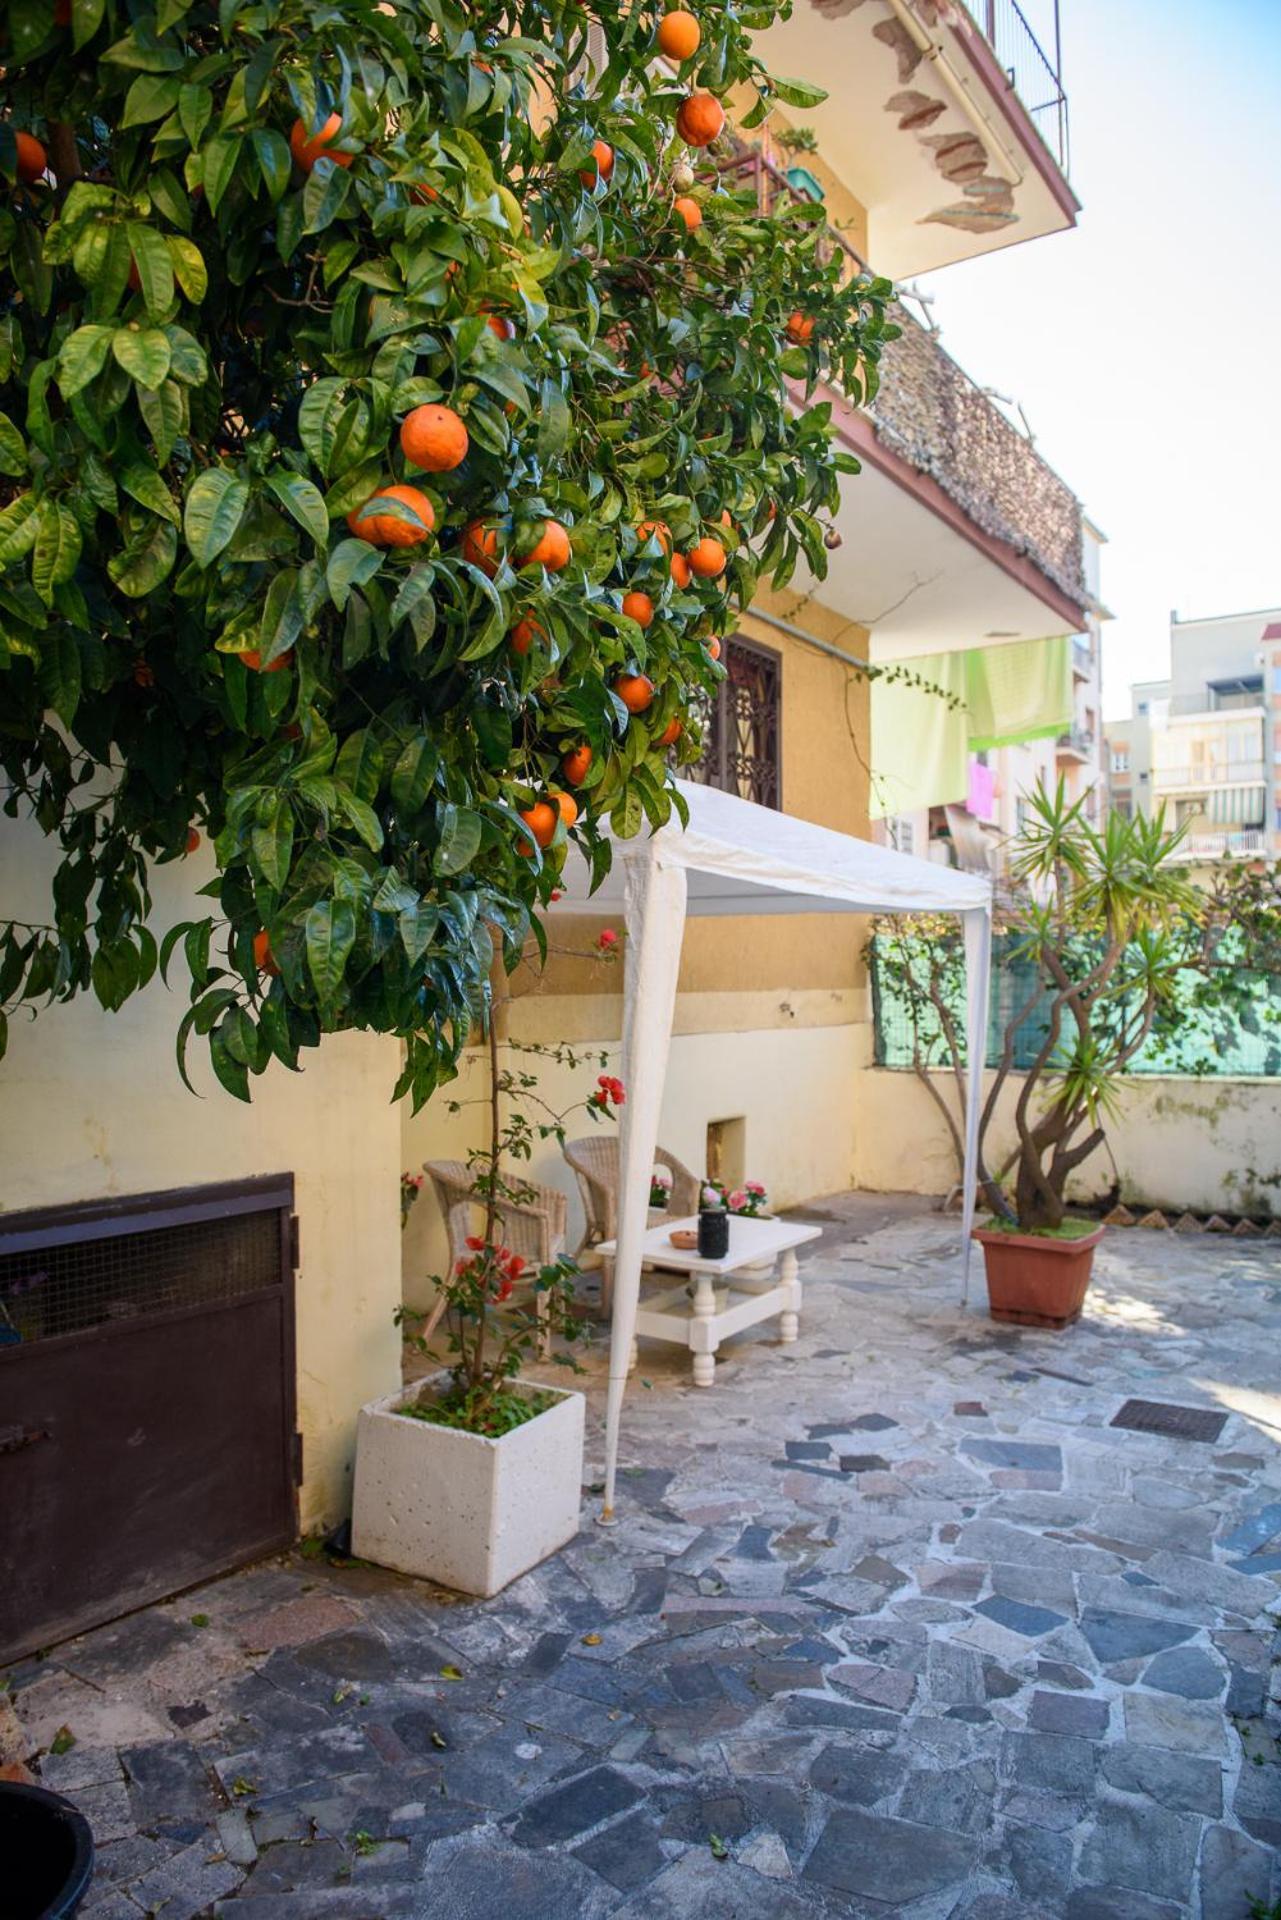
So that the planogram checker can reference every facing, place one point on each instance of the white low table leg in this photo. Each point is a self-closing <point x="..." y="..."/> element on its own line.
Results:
<point x="703" y="1343"/>
<point x="790" y="1319"/>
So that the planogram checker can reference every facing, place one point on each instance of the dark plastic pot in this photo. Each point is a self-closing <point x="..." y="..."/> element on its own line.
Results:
<point x="1036" y="1281"/>
<point x="46" y="1854"/>
<point x="713" y="1233"/>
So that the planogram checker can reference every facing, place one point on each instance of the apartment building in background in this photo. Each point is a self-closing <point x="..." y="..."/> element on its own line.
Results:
<point x="1206" y="742"/>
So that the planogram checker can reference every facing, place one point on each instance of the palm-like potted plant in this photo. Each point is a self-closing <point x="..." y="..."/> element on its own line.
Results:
<point x="1102" y="926"/>
<point x="1104" y="918"/>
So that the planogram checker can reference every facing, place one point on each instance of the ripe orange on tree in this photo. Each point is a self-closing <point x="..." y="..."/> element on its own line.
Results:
<point x="575" y="764"/>
<point x="500" y="325"/>
<point x="680" y="570"/>
<point x="679" y="35"/>
<point x="800" y="327"/>
<point x="671" y="733"/>
<point x="524" y="634"/>
<point x="655" y="528"/>
<point x="635" y="690"/>
<point x="638" y="607"/>
<point x="307" y="148"/>
<point x="480" y="546"/>
<point x="193" y="840"/>
<point x="701" y="119"/>
<point x="566" y="804"/>
<point x="690" y="212"/>
<point x="706" y="558"/>
<point x="32" y="158"/>
<point x="388" y="530"/>
<point x="551" y="550"/>
<point x="541" y="820"/>
<point x="603" y="164"/>
<point x="713" y="648"/>
<point x="434" y="438"/>
<point x="264" y="958"/>
<point x="253" y="660"/>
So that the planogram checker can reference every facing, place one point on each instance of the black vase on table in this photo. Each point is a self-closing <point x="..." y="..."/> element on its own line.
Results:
<point x="713" y="1233"/>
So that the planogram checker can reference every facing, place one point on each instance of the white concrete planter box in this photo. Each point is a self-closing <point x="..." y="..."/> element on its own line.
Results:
<point x="466" y="1511"/>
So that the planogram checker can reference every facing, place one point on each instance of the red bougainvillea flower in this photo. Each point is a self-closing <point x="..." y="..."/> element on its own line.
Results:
<point x="609" y="1092"/>
<point x="503" y="1288"/>
<point x="607" y="939"/>
<point x="475" y="1242"/>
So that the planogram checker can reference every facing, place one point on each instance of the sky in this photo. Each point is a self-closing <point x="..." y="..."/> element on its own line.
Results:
<point x="1145" y="346"/>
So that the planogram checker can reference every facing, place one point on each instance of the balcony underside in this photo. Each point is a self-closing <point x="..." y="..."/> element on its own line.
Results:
<point x="920" y="574"/>
<point x="932" y="139"/>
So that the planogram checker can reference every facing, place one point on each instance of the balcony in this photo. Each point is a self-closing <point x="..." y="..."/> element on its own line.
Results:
<point x="1076" y="745"/>
<point x="1183" y="706"/>
<point x="1209" y="774"/>
<point x="949" y="128"/>
<point x="956" y="534"/>
<point x="1241" y="843"/>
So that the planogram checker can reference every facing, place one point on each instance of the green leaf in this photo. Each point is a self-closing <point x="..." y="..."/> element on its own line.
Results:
<point x="360" y="763"/>
<point x="60" y="673"/>
<point x="187" y="357"/>
<point x="324" y="195"/>
<point x="164" y="413"/>
<point x="363" y="819"/>
<point x="283" y="615"/>
<point x="214" y="509"/>
<point x="18" y="525"/>
<point x="143" y="352"/>
<point x="13" y="448"/>
<point x="413" y="775"/>
<point x="351" y="564"/>
<point x="145" y="560"/>
<point x="272" y="154"/>
<point x="195" y="106"/>
<point x="188" y="266"/>
<point x="553" y="427"/>
<point x="86" y="18"/>
<point x="83" y="356"/>
<point x="414" y="603"/>
<point x="57" y="549"/>
<point x="319" y="417"/>
<point x="151" y="97"/>
<point x="272" y="845"/>
<point x="417" y="927"/>
<point x="460" y="835"/>
<point x="144" y="484"/>
<point x="330" y="929"/>
<point x="220" y="156"/>
<point x="797" y="93"/>
<point x="302" y="501"/>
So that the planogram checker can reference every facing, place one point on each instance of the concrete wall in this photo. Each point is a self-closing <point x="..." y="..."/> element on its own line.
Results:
<point x="1206" y="1145"/>
<point x="91" y="1104"/>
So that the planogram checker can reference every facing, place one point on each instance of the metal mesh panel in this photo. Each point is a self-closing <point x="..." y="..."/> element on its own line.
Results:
<point x="741" y="746"/>
<point x="67" y="1289"/>
<point x="1176" y="1423"/>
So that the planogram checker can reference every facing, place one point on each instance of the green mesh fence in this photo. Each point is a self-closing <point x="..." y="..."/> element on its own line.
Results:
<point x="1202" y="1036"/>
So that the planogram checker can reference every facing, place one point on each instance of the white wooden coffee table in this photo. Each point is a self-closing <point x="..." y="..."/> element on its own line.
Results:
<point x="725" y="1299"/>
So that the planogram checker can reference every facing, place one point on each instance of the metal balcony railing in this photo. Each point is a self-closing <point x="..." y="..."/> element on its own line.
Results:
<point x="1035" y="74"/>
<point x="1078" y="740"/>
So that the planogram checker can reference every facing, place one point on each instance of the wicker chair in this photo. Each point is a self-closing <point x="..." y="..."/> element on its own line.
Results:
<point x="536" y="1228"/>
<point x="595" y="1164"/>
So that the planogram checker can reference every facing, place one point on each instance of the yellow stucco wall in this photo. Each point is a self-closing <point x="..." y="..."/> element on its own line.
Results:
<point x="91" y="1105"/>
<point x="1200" y="1144"/>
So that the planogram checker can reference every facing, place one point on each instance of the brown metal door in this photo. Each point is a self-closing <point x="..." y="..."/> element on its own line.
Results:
<point x="146" y="1400"/>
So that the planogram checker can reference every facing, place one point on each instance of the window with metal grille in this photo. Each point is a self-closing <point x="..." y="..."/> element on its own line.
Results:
<point x="741" y="750"/>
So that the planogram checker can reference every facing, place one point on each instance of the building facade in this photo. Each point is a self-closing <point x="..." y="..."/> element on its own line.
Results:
<point x="1205" y="744"/>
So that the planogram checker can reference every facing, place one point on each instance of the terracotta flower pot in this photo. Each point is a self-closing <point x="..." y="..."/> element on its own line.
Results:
<point x="1036" y="1281"/>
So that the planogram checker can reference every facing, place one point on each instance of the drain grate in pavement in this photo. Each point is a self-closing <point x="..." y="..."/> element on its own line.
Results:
<point x="1176" y="1423"/>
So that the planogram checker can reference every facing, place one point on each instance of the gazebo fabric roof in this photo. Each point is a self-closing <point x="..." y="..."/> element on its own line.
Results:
<point x="743" y="858"/>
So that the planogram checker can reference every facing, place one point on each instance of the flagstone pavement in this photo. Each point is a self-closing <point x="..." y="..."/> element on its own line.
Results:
<point x="893" y="1621"/>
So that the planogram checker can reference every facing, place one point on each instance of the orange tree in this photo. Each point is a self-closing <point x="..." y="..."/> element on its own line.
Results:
<point x="356" y="364"/>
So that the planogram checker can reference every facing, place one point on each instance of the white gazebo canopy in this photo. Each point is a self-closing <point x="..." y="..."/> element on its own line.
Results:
<point x="738" y="858"/>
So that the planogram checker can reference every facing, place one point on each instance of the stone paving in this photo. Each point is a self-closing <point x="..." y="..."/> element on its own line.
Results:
<point x="894" y="1621"/>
